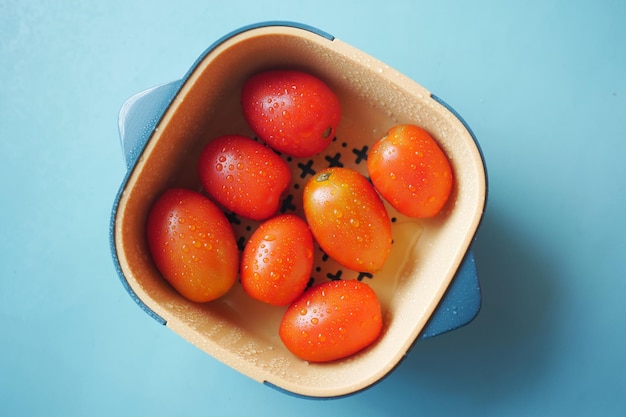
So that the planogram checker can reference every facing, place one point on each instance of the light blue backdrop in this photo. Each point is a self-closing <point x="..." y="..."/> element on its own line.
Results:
<point x="541" y="83"/>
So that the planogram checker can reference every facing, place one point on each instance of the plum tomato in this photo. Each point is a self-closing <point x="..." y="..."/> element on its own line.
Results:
<point x="348" y="219"/>
<point x="411" y="171"/>
<point x="277" y="260"/>
<point x="294" y="112"/>
<point x="244" y="176"/>
<point x="331" y="321"/>
<point x="192" y="244"/>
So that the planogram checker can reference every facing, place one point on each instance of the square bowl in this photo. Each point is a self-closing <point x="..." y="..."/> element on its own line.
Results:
<point x="163" y="131"/>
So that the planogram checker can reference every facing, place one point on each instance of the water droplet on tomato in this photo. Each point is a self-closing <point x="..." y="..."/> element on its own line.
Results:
<point x="315" y="320"/>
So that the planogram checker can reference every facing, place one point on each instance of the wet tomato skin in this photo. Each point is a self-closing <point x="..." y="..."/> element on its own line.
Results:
<point x="411" y="171"/>
<point x="244" y="176"/>
<point x="331" y="321"/>
<point x="192" y="244"/>
<point x="292" y="111"/>
<point x="348" y="219"/>
<point x="277" y="260"/>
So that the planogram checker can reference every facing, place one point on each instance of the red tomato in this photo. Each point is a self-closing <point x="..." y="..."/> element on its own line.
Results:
<point x="192" y="244"/>
<point x="244" y="176"/>
<point x="277" y="260"/>
<point x="331" y="321"/>
<point x="409" y="169"/>
<point x="292" y="111"/>
<point x="348" y="219"/>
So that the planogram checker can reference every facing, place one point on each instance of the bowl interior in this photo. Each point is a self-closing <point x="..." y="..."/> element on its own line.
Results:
<point x="239" y="331"/>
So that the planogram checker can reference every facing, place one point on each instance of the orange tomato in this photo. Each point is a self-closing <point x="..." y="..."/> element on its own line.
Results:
<point x="277" y="260"/>
<point x="348" y="219"/>
<point x="331" y="321"/>
<point x="244" y="176"/>
<point x="192" y="244"/>
<point x="411" y="171"/>
<point x="292" y="111"/>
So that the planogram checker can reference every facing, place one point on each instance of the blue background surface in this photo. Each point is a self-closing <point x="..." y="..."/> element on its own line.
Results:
<point x="541" y="83"/>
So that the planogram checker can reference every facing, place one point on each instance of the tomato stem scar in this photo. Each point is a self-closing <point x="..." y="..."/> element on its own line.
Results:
<point x="323" y="177"/>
